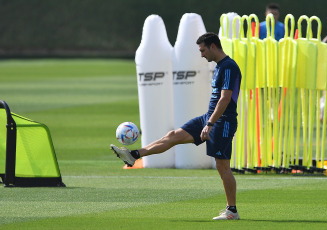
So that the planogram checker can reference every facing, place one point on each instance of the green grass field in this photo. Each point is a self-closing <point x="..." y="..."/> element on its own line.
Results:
<point x="82" y="102"/>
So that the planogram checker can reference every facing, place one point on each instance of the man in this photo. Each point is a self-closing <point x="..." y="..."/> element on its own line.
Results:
<point x="216" y="127"/>
<point x="272" y="8"/>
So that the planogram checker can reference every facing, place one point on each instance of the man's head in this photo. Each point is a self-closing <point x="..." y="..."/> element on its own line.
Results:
<point x="274" y="9"/>
<point x="209" y="44"/>
<point x="208" y="39"/>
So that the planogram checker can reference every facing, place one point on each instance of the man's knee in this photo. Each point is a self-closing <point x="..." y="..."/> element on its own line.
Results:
<point x="223" y="166"/>
<point x="169" y="135"/>
<point x="178" y="136"/>
<point x="172" y="137"/>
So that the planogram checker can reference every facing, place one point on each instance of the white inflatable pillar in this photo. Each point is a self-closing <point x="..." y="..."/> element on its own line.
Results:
<point x="155" y="89"/>
<point x="192" y="88"/>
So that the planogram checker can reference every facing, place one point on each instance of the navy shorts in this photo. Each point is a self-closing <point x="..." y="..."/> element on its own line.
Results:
<point x="221" y="136"/>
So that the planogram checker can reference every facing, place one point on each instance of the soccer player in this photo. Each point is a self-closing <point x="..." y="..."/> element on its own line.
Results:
<point x="279" y="26"/>
<point x="216" y="127"/>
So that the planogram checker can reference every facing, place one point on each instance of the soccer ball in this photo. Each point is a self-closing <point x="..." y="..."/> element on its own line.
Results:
<point x="127" y="133"/>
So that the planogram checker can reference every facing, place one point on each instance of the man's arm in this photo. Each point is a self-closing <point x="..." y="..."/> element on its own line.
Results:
<point x="226" y="96"/>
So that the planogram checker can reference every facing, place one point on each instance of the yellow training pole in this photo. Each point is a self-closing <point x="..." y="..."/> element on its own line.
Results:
<point x="304" y="94"/>
<point x="239" y="54"/>
<point x="283" y="80"/>
<point x="306" y="80"/>
<point x="272" y="80"/>
<point x="312" y="112"/>
<point x="324" y="128"/>
<point x="288" y="52"/>
<point x="298" y="127"/>
<point x="250" y="86"/>
<point x="317" y="127"/>
<point x="226" y="42"/>
<point x="259" y="70"/>
<point x="292" y="55"/>
<point x="227" y="45"/>
<point x="321" y="80"/>
<point x="261" y="87"/>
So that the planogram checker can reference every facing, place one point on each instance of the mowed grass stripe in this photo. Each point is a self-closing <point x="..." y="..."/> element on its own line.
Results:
<point x="195" y="177"/>
<point x="63" y="93"/>
<point x="44" y="69"/>
<point x="264" y="208"/>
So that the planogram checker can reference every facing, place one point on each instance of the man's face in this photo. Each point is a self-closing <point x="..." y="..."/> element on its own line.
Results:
<point x="206" y="52"/>
<point x="274" y="12"/>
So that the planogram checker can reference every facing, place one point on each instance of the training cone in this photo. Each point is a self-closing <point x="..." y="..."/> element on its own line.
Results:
<point x="137" y="165"/>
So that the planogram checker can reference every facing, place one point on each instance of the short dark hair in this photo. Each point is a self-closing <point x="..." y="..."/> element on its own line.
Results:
<point x="209" y="38"/>
<point x="272" y="6"/>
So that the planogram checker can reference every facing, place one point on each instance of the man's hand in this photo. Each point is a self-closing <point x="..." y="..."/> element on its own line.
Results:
<point x="205" y="133"/>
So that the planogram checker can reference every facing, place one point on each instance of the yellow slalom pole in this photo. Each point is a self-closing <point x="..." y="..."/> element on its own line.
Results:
<point x="283" y="80"/>
<point x="259" y="70"/>
<point x="293" y="57"/>
<point x="250" y="86"/>
<point x="269" y="129"/>
<point x="304" y="94"/>
<point x="239" y="54"/>
<point x="324" y="128"/>
<point x="317" y="127"/>
<point x="226" y="42"/>
<point x="239" y="134"/>
<point x="290" y="79"/>
<point x="312" y="105"/>
<point x="312" y="95"/>
<point x="320" y="74"/>
<point x="261" y="95"/>
<point x="298" y="127"/>
<point x="269" y="96"/>
<point x="306" y="74"/>
<point x="273" y="80"/>
<point x="287" y="141"/>
<point x="320" y="83"/>
<point x="291" y="140"/>
<point x="227" y="45"/>
<point x="266" y="119"/>
<point x="287" y="51"/>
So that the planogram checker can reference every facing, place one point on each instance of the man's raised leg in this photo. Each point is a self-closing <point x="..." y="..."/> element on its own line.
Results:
<point x="171" y="139"/>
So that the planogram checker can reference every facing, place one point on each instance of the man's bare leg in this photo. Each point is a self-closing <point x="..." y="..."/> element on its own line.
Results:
<point x="171" y="139"/>
<point x="229" y="182"/>
<point x="230" y="190"/>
